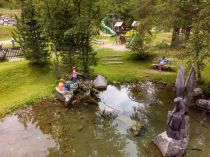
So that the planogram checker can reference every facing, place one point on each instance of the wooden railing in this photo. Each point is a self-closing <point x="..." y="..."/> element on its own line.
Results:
<point x="12" y="52"/>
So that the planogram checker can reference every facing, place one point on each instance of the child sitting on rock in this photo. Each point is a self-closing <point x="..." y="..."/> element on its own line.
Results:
<point x="61" y="86"/>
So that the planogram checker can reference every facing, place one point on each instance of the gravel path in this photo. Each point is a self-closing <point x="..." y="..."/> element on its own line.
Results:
<point x="111" y="45"/>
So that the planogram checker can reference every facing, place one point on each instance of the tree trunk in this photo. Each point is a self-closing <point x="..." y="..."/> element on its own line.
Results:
<point x="175" y="36"/>
<point x="187" y="32"/>
<point x="199" y="71"/>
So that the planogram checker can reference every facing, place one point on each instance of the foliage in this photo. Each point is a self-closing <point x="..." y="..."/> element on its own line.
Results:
<point x="140" y="51"/>
<point x="166" y="15"/>
<point x="69" y="25"/>
<point x="30" y="34"/>
<point x="122" y="8"/>
<point x="9" y="4"/>
<point x="198" y="44"/>
<point x="141" y="46"/>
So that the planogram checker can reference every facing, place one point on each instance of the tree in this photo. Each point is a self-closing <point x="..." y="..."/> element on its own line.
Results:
<point x="166" y="15"/>
<point x="198" y="45"/>
<point x="70" y="25"/>
<point x="30" y="34"/>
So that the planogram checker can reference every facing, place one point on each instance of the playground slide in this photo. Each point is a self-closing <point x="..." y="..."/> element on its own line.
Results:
<point x="108" y="29"/>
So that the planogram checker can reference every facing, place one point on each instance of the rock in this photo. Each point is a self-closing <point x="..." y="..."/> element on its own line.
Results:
<point x="107" y="114"/>
<point x="80" y="128"/>
<point x="137" y="129"/>
<point x="170" y="147"/>
<point x="203" y="104"/>
<point x="2" y="56"/>
<point x="197" y="92"/>
<point x="100" y="82"/>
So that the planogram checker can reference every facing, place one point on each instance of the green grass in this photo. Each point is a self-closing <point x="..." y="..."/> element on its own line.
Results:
<point x="22" y="83"/>
<point x="162" y="37"/>
<point x="6" y="32"/>
<point x="10" y="12"/>
<point x="131" y="70"/>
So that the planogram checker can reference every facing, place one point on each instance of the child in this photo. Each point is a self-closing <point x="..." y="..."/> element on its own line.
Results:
<point x="162" y="62"/>
<point x="74" y="75"/>
<point x="61" y="85"/>
<point x="67" y="85"/>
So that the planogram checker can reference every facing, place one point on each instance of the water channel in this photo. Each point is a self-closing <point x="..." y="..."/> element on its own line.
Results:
<point x="48" y="129"/>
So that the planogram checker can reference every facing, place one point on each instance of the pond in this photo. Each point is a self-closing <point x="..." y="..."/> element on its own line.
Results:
<point x="50" y="129"/>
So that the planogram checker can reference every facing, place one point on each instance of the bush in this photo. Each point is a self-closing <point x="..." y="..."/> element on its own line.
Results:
<point x="140" y="51"/>
<point x="163" y="45"/>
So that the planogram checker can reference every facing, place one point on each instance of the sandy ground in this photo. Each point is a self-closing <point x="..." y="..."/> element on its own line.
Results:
<point x="111" y="45"/>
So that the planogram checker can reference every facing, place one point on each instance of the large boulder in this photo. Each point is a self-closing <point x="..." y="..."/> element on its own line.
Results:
<point x="170" y="147"/>
<point x="100" y="82"/>
<point x="197" y="92"/>
<point x="2" y="56"/>
<point x="203" y="104"/>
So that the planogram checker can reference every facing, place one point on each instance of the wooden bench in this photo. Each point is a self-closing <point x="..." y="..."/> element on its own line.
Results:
<point x="170" y="65"/>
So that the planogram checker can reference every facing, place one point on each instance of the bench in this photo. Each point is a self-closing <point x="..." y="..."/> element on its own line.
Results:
<point x="170" y="65"/>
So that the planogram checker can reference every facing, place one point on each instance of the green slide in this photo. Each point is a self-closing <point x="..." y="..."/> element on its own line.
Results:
<point x="108" y="29"/>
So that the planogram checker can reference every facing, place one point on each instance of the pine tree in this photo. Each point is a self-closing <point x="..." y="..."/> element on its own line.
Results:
<point x="30" y="34"/>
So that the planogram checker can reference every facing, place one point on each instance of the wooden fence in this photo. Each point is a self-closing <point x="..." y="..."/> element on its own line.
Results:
<point x="12" y="52"/>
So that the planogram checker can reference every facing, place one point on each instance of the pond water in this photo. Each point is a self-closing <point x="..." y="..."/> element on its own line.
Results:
<point x="50" y="129"/>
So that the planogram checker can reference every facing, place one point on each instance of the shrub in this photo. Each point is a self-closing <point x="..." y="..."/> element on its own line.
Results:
<point x="140" y="51"/>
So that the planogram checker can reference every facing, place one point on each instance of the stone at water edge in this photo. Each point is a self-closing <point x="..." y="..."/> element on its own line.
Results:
<point x="100" y="82"/>
<point x="107" y="114"/>
<point x="197" y="92"/>
<point x="2" y="56"/>
<point x="170" y="147"/>
<point x="203" y="104"/>
<point x="137" y="129"/>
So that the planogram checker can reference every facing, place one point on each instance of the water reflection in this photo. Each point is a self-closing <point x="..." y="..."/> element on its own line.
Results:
<point x="19" y="140"/>
<point x="50" y="129"/>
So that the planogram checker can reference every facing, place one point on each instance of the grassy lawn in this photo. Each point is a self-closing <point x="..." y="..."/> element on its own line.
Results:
<point x="162" y="37"/>
<point x="131" y="70"/>
<point x="9" y="12"/>
<point x="22" y="83"/>
<point x="6" y="32"/>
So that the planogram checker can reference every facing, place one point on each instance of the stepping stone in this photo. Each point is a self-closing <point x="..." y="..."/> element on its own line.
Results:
<point x="113" y="63"/>
<point x="112" y="59"/>
<point x="112" y="56"/>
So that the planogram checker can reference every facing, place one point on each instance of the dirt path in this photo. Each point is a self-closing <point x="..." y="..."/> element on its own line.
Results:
<point x="6" y="42"/>
<point x="109" y="44"/>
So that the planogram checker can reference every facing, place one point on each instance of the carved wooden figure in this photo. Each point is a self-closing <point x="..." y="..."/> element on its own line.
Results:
<point x="174" y="141"/>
